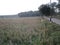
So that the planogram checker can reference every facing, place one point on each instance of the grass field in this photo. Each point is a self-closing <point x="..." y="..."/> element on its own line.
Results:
<point x="28" y="31"/>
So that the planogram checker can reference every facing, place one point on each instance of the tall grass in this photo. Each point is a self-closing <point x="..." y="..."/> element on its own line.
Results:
<point x="41" y="33"/>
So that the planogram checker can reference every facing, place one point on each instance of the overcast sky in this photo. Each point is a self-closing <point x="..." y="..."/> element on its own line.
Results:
<point x="8" y="7"/>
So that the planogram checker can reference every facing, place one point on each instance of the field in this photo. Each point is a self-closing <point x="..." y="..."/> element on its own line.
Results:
<point x="28" y="31"/>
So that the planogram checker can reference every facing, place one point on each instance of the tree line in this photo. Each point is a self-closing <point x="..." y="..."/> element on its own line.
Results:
<point x="44" y="9"/>
<point x="29" y="14"/>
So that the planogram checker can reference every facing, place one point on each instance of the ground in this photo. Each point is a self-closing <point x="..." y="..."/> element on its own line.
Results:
<point x="27" y="31"/>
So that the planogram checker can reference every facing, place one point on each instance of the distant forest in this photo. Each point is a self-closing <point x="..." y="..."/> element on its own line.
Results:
<point x="23" y="14"/>
<point x="29" y="14"/>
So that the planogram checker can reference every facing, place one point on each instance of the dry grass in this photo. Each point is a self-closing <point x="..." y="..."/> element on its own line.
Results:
<point x="26" y="31"/>
<point x="16" y="23"/>
<point x="20" y="29"/>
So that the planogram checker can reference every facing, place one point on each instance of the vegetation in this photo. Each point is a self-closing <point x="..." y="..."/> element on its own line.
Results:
<point x="58" y="5"/>
<point x="29" y="14"/>
<point x="28" y="31"/>
<point x="46" y="10"/>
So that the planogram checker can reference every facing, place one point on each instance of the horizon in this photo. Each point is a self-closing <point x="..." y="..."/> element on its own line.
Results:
<point x="12" y="7"/>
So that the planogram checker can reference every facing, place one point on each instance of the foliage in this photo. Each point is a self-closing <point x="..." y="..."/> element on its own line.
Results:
<point x="46" y="10"/>
<point x="27" y="34"/>
<point x="29" y="14"/>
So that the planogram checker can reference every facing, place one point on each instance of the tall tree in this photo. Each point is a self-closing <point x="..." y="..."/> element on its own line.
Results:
<point x="53" y="4"/>
<point x="58" y="1"/>
<point x="46" y="10"/>
<point x="58" y="5"/>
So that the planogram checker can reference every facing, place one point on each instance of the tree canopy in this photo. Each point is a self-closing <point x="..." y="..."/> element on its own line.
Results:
<point x="46" y="10"/>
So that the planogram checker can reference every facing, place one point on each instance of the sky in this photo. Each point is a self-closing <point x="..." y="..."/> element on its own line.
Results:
<point x="9" y="7"/>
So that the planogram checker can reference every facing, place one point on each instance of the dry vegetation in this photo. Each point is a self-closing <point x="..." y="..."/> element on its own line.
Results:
<point x="18" y="30"/>
<point x="26" y="31"/>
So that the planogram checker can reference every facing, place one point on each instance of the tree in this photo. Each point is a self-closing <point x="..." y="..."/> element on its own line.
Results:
<point x="58" y="1"/>
<point x="58" y="6"/>
<point x="46" y="10"/>
<point x="53" y="4"/>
